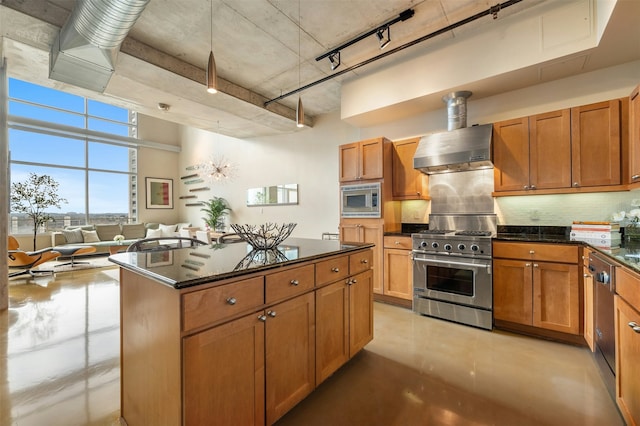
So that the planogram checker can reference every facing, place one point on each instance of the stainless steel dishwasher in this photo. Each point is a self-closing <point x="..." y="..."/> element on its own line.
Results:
<point x="605" y="352"/>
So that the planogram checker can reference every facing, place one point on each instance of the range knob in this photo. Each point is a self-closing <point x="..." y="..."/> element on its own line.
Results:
<point x="461" y="247"/>
<point x="423" y="244"/>
<point x="447" y="247"/>
<point x="474" y="247"/>
<point x="434" y="244"/>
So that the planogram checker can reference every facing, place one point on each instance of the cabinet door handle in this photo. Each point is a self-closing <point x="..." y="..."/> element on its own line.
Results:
<point x="586" y="275"/>
<point x="365" y="261"/>
<point x="231" y="300"/>
<point x="262" y="318"/>
<point x="527" y="265"/>
<point x="634" y="326"/>
<point x="634" y="177"/>
<point x="272" y="314"/>
<point x="418" y="194"/>
<point x="354" y="281"/>
<point x="295" y="282"/>
<point x="525" y="187"/>
<point x="533" y="187"/>
<point x="535" y="265"/>
<point x="335" y="269"/>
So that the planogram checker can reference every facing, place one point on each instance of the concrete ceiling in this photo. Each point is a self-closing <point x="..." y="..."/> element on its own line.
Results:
<point x="256" y="44"/>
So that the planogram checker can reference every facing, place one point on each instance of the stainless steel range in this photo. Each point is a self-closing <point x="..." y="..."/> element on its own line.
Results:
<point x="452" y="276"/>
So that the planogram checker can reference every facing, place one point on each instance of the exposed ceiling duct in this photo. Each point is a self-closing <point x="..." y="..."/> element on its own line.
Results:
<point x="85" y="50"/>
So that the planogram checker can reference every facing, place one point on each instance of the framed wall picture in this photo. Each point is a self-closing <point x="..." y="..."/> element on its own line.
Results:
<point x="159" y="193"/>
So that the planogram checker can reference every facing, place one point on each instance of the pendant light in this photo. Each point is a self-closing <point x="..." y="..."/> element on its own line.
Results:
<point x="212" y="75"/>
<point x="300" y="108"/>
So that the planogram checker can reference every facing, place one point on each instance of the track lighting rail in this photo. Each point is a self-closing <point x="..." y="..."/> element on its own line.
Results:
<point x="402" y="17"/>
<point x="491" y="11"/>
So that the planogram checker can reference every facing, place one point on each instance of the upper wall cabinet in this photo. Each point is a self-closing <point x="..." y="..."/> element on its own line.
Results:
<point x="560" y="151"/>
<point x="532" y="153"/>
<point x="408" y="183"/>
<point x="362" y="160"/>
<point x="634" y="136"/>
<point x="595" y="144"/>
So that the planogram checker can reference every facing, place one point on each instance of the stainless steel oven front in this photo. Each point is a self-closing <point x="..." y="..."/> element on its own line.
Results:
<point x="455" y="288"/>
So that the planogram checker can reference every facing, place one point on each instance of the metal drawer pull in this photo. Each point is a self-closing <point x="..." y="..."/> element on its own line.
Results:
<point x="634" y="177"/>
<point x="231" y="300"/>
<point x="354" y="281"/>
<point x="262" y="318"/>
<point x="634" y="326"/>
<point x="335" y="269"/>
<point x="532" y="251"/>
<point x="295" y="282"/>
<point x="365" y="261"/>
<point x="271" y="313"/>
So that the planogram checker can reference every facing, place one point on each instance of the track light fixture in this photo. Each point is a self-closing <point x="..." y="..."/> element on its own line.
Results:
<point x="334" y="58"/>
<point x="380" y="34"/>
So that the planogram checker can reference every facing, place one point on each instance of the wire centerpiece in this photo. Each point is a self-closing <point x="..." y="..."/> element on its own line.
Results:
<point x="266" y="236"/>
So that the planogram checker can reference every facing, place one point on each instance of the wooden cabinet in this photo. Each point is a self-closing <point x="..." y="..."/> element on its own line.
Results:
<point x="224" y="374"/>
<point x="362" y="160"/>
<point x="587" y="283"/>
<point x="289" y="354"/>
<point x="408" y="183"/>
<point x="561" y="151"/>
<point x="537" y="285"/>
<point x="242" y="351"/>
<point x="367" y="231"/>
<point x="533" y="153"/>
<point x="634" y="135"/>
<point x="398" y="267"/>
<point x="343" y="323"/>
<point x="596" y="144"/>
<point x="627" y="338"/>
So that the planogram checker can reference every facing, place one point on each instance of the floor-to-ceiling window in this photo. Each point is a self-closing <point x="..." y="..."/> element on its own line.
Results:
<point x="83" y="144"/>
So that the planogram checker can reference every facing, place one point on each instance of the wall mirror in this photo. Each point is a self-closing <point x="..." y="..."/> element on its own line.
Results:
<point x="273" y="195"/>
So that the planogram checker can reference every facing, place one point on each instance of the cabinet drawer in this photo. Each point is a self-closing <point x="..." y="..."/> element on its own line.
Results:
<point x="628" y="286"/>
<point x="288" y="283"/>
<point x="332" y="270"/>
<point x="360" y="262"/>
<point x="548" y="252"/>
<point x="214" y="304"/>
<point x="397" y="242"/>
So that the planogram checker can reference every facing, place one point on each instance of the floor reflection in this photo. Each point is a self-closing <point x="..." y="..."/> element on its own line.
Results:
<point x="60" y="350"/>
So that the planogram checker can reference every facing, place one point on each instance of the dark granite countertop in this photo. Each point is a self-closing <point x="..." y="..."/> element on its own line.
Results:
<point x="188" y="267"/>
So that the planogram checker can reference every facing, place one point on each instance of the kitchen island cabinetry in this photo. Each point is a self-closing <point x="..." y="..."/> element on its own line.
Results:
<point x="537" y="286"/>
<point x="398" y="268"/>
<point x="237" y="346"/>
<point x="634" y="136"/>
<point x="627" y="338"/>
<point x="364" y="160"/>
<point x="408" y="183"/>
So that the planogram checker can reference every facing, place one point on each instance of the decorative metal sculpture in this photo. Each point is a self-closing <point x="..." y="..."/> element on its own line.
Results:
<point x="266" y="236"/>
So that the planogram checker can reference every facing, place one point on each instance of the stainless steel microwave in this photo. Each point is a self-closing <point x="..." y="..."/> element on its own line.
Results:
<point x="361" y="200"/>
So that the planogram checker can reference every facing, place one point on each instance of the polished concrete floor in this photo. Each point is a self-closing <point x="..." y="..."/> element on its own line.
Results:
<point x="59" y="365"/>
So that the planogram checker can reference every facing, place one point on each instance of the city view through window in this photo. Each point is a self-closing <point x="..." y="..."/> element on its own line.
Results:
<point x="85" y="145"/>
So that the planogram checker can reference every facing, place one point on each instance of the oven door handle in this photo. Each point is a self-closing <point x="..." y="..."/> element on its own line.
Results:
<point x="473" y="265"/>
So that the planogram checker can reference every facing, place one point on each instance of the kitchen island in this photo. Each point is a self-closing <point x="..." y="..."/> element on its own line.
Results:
<point x="223" y="334"/>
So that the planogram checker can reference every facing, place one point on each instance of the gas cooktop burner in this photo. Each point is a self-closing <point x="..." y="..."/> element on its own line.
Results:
<point x="436" y="231"/>
<point x="474" y="233"/>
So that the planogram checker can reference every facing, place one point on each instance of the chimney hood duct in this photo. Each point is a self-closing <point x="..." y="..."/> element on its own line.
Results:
<point x="459" y="149"/>
<point x="85" y="50"/>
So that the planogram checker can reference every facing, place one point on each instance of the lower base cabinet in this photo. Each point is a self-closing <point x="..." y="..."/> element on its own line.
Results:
<point x="398" y="267"/>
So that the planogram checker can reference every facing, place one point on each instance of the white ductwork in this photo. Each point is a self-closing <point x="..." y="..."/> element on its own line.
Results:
<point x="85" y="50"/>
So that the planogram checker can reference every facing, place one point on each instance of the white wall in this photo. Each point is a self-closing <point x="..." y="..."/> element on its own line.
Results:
<point x="308" y="157"/>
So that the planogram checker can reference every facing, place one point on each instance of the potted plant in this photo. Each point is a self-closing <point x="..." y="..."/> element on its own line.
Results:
<point x="215" y="209"/>
<point x="33" y="197"/>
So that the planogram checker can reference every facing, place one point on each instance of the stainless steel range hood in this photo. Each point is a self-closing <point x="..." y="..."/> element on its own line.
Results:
<point x="459" y="149"/>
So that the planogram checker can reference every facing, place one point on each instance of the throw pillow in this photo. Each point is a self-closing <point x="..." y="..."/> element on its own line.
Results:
<point x="90" y="236"/>
<point x="73" y="236"/>
<point x="167" y="230"/>
<point x="154" y="233"/>
<point x="181" y="225"/>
